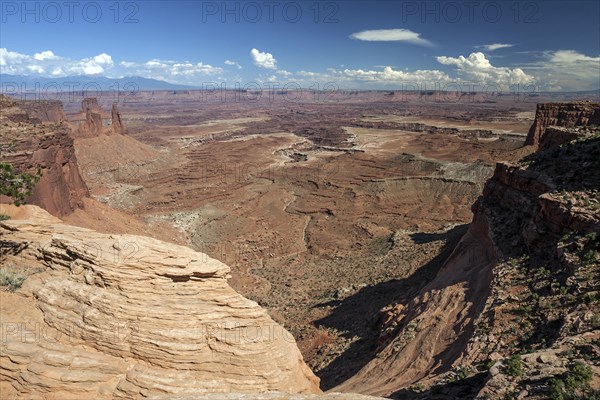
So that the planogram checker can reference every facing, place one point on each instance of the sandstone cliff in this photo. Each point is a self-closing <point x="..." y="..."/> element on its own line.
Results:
<point x="49" y="145"/>
<point x="523" y="280"/>
<point x="566" y="115"/>
<point x="44" y="111"/>
<point x="119" y="316"/>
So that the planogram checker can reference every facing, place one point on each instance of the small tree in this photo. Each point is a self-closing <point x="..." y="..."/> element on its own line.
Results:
<point x="17" y="186"/>
<point x="14" y="185"/>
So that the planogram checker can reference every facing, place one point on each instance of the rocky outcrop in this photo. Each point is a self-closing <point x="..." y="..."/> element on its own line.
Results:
<point x="117" y="125"/>
<point x="521" y="280"/>
<point x="91" y="104"/>
<point x="120" y="316"/>
<point x="45" y="111"/>
<point x="92" y="121"/>
<point x="270" y="396"/>
<point x="92" y="125"/>
<point x="566" y="115"/>
<point x="49" y="145"/>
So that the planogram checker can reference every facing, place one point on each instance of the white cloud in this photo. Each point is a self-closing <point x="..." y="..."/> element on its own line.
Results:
<point x="263" y="60"/>
<point x="470" y="73"/>
<point x="9" y="58"/>
<point x="386" y="77"/>
<point x="45" y="55"/>
<point x="229" y="62"/>
<point x="93" y="65"/>
<point x="566" y="70"/>
<point x="391" y="35"/>
<point x="284" y="73"/>
<point x="495" y="46"/>
<point x="169" y="70"/>
<point x="477" y="68"/>
<point x="572" y="56"/>
<point x="36" y="69"/>
<point x="389" y="76"/>
<point x="48" y="64"/>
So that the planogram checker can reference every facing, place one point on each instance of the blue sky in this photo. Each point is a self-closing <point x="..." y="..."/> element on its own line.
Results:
<point x="553" y="45"/>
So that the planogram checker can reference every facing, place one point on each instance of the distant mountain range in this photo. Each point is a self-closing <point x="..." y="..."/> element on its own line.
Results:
<point x="23" y="83"/>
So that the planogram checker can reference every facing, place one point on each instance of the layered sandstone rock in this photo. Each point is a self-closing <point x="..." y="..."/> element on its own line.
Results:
<point x="119" y="316"/>
<point x="45" y="111"/>
<point x="28" y="144"/>
<point x="567" y="115"/>
<point x="270" y="396"/>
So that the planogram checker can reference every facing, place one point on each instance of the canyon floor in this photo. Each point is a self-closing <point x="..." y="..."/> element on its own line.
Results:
<point x="325" y="212"/>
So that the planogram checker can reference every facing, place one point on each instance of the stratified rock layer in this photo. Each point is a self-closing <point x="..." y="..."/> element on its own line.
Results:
<point x="566" y="115"/>
<point x="131" y="317"/>
<point x="45" y="111"/>
<point x="27" y="144"/>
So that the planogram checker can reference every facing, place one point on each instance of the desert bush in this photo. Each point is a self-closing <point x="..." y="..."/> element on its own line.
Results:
<point x="514" y="366"/>
<point x="15" y="185"/>
<point x="10" y="278"/>
<point x="574" y="384"/>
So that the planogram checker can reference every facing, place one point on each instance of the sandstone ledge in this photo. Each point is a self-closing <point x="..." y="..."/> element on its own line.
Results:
<point x="120" y="316"/>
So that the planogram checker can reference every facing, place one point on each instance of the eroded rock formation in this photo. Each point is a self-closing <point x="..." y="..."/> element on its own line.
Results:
<point x="566" y="115"/>
<point x="94" y="121"/>
<point x="117" y="125"/>
<point x="45" y="111"/>
<point x="28" y="144"/>
<point x="521" y="280"/>
<point x="119" y="316"/>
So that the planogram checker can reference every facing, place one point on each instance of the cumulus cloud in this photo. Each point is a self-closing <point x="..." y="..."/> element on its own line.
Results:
<point x="45" y="55"/>
<point x="389" y="75"/>
<point x="48" y="64"/>
<point x="477" y="68"/>
<point x="566" y="70"/>
<point x="494" y="46"/>
<point x="263" y="59"/>
<point x="391" y="35"/>
<point x="469" y="72"/>
<point x="233" y="63"/>
<point x="93" y="65"/>
<point x="177" y="71"/>
<point x="10" y="58"/>
<point x="386" y="77"/>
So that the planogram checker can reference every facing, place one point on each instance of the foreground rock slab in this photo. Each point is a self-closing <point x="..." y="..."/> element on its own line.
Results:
<point x="120" y="316"/>
<point x="271" y="396"/>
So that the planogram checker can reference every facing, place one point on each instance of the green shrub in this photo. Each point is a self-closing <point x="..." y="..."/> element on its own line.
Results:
<point x="10" y="278"/>
<point x="574" y="384"/>
<point x="514" y="366"/>
<point x="4" y="217"/>
<point x="15" y="185"/>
